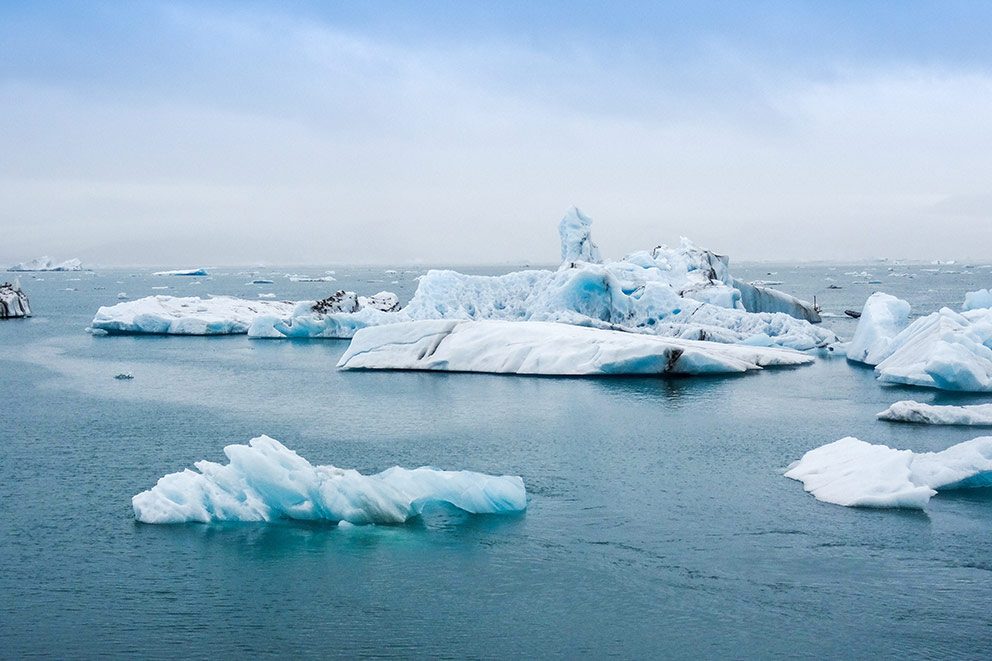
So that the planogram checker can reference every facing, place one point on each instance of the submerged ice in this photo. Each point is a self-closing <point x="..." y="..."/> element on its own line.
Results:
<point x="853" y="473"/>
<point x="265" y="481"/>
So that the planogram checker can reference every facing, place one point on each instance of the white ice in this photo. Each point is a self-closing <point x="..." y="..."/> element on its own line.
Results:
<point x="946" y="349"/>
<point x="265" y="481"/>
<point x="174" y="315"/>
<point x="929" y="414"/>
<point x="189" y="272"/>
<point x="532" y="347"/>
<point x="853" y="473"/>
<point x="47" y="264"/>
<point x="882" y="318"/>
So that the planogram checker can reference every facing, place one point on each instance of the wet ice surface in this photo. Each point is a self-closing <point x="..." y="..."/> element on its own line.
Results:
<point x="659" y="522"/>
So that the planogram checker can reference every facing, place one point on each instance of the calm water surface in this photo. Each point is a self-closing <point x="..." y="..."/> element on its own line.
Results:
<point x="659" y="521"/>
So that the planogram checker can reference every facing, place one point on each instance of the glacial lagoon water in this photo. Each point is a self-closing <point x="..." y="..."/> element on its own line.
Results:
<point x="659" y="523"/>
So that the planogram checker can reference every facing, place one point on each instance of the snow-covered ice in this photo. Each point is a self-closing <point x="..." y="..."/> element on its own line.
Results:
<point x="853" y="473"/>
<point x="929" y="414"/>
<point x="187" y="272"/>
<point x="882" y="318"/>
<point x="47" y="264"/>
<point x="174" y="315"/>
<point x="533" y="347"/>
<point x="13" y="301"/>
<point x="339" y="315"/>
<point x="264" y="481"/>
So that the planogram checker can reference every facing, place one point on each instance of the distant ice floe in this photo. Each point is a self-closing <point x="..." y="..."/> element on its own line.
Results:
<point x="265" y="481"/>
<point x="910" y="411"/>
<point x="977" y="300"/>
<point x="174" y="315"/>
<point x="185" y="272"/>
<point x="13" y="301"/>
<point x="47" y="264"/>
<point x="946" y="349"/>
<point x="853" y="473"/>
<point x="533" y="347"/>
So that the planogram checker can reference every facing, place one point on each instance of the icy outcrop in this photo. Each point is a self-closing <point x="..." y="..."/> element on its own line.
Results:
<point x="882" y="318"/>
<point x="533" y="347"/>
<point x="853" y="473"/>
<point x="339" y="315"/>
<point x="576" y="238"/>
<point x="174" y="315"/>
<point x="759" y="298"/>
<point x="945" y="350"/>
<point x="928" y="414"/>
<point x="48" y="264"/>
<point x="265" y="481"/>
<point x="977" y="300"/>
<point x="188" y="272"/>
<point x="13" y="301"/>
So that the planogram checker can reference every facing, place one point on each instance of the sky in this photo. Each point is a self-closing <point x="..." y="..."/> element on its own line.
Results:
<point x="215" y="133"/>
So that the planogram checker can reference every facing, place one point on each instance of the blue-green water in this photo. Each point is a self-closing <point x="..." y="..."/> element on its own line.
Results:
<point x="659" y="523"/>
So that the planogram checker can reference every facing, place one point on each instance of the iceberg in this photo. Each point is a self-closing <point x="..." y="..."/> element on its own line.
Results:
<point x="174" y="315"/>
<point x="47" y="264"/>
<point x="945" y="349"/>
<point x="265" y="481"/>
<point x="882" y="318"/>
<point x="853" y="473"/>
<point x="977" y="300"/>
<point x="189" y="272"/>
<point x="910" y="411"/>
<point x="534" y="347"/>
<point x="339" y="315"/>
<point x="13" y="301"/>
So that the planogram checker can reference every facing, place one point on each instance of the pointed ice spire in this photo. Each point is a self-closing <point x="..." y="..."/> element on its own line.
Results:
<point x="576" y="239"/>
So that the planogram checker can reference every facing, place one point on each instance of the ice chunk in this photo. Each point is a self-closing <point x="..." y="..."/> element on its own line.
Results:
<point x="761" y="298"/>
<point x="547" y="348"/>
<point x="193" y="315"/>
<point x="853" y="473"/>
<point x="576" y="238"/>
<point x="339" y="315"/>
<point x="945" y="350"/>
<point x="13" y="301"/>
<point x="976" y="300"/>
<point x="910" y="411"/>
<point x="48" y="264"/>
<point x="882" y="318"/>
<point x="264" y="481"/>
<point x="187" y="272"/>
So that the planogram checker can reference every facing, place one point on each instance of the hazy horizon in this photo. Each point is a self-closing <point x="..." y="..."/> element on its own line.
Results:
<point x="452" y="133"/>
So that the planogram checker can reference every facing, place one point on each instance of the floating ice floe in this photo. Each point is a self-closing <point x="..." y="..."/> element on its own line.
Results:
<point x="265" y="481"/>
<point x="534" y="347"/>
<point x="946" y="349"/>
<point x="47" y="264"/>
<point x="186" y="272"/>
<point x="977" y="300"/>
<point x="13" y="301"/>
<point x="882" y="318"/>
<point x="339" y="315"/>
<point x="929" y="414"/>
<point x="174" y="315"/>
<point x="853" y="473"/>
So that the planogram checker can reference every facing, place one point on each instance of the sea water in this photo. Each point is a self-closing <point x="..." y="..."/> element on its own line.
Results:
<point x="659" y="523"/>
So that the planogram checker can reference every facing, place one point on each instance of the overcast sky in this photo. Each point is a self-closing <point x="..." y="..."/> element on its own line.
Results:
<point x="460" y="132"/>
